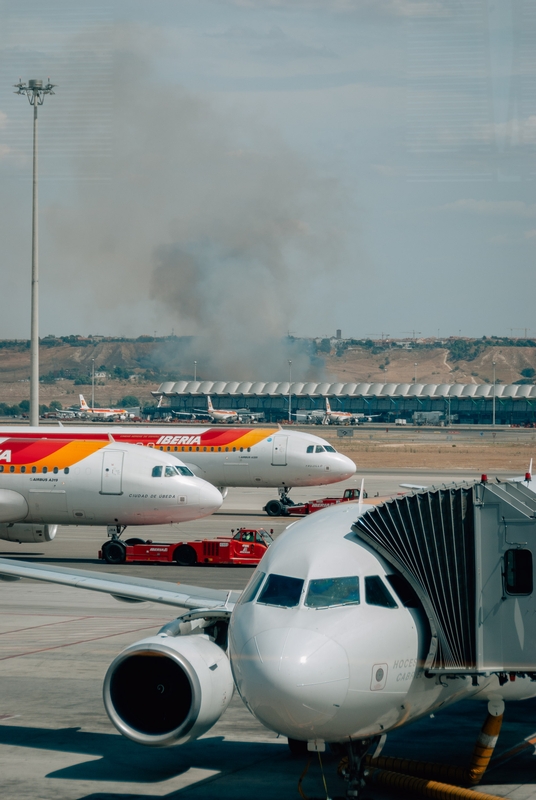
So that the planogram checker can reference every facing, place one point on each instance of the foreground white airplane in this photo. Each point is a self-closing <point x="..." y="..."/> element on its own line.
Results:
<point x="223" y="456"/>
<point x="328" y="643"/>
<point x="46" y="482"/>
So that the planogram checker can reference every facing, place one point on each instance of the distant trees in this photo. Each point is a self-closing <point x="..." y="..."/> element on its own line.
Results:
<point x="130" y="401"/>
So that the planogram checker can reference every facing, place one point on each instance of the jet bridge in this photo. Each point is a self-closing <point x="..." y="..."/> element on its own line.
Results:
<point x="468" y="551"/>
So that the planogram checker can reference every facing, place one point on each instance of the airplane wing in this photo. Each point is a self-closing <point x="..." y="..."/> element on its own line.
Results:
<point x="122" y="587"/>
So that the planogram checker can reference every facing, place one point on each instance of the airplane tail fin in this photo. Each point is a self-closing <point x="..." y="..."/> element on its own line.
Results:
<point x="209" y="403"/>
<point x="83" y="404"/>
<point x="328" y="407"/>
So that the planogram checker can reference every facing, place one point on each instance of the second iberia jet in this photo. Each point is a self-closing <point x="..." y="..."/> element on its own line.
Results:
<point x="224" y="456"/>
<point x="45" y="483"/>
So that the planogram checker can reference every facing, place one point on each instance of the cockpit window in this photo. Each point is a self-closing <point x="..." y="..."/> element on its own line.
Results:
<point x="405" y="591"/>
<point x="264" y="536"/>
<point x="329" y="449"/>
<point x="252" y="588"/>
<point x="311" y="448"/>
<point x="326" y="592"/>
<point x="319" y="449"/>
<point x="377" y="594"/>
<point x="280" y="590"/>
<point x="184" y="471"/>
<point x="170" y="471"/>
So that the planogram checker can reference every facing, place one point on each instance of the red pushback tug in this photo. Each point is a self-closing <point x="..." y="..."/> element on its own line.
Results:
<point x="247" y="546"/>
<point x="274" y="508"/>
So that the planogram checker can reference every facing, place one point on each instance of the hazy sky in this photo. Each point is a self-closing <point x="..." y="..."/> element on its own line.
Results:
<point x="240" y="169"/>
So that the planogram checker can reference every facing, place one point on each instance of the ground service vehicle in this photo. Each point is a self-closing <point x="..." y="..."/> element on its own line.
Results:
<point x="275" y="509"/>
<point x="247" y="546"/>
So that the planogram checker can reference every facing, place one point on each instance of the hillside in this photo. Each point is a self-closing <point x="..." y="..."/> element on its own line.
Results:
<point x="434" y="365"/>
<point x="139" y="366"/>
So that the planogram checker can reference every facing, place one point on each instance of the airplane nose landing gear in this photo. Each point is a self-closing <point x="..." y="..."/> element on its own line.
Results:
<point x="352" y="767"/>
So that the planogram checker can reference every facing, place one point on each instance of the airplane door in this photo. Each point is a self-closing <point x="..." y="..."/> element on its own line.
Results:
<point x="112" y="472"/>
<point x="279" y="451"/>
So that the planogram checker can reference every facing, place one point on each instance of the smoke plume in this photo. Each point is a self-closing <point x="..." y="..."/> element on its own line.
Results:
<point x="210" y="225"/>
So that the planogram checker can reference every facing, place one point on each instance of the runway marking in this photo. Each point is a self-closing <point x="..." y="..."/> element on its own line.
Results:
<point x="78" y="641"/>
<point x="44" y="625"/>
<point x="530" y="741"/>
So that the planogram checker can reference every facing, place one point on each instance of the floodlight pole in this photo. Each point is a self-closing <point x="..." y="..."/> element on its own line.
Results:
<point x="493" y="422"/>
<point x="289" y="394"/>
<point x="92" y="383"/>
<point x="35" y="92"/>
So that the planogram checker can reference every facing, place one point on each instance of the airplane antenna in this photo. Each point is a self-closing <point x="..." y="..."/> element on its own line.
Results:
<point x="111" y="438"/>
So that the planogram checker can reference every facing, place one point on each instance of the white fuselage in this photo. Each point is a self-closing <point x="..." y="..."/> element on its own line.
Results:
<point x="226" y="456"/>
<point x="345" y="671"/>
<point x="112" y="485"/>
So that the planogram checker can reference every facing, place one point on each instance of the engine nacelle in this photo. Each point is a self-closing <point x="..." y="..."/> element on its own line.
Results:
<point x="13" y="506"/>
<point x="28" y="534"/>
<point x="167" y="690"/>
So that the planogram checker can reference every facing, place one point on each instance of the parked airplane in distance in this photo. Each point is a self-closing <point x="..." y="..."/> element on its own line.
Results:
<point x="329" y="417"/>
<point x="328" y="643"/>
<point x="45" y="482"/>
<point x="104" y="413"/>
<point x="269" y="457"/>
<point x="221" y="415"/>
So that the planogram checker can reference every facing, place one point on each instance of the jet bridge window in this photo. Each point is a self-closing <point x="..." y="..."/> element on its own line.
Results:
<point x="377" y="594"/>
<point x="280" y="590"/>
<point x="326" y="592"/>
<point x="518" y="572"/>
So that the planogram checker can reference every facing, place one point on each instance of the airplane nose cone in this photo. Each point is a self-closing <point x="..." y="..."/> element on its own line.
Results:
<point x="343" y="468"/>
<point x="210" y="498"/>
<point x="292" y="679"/>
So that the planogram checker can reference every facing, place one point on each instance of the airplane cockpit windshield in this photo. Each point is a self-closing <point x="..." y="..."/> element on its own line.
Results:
<point x="326" y="592"/>
<point x="280" y="590"/>
<point x="170" y="471"/>
<point x="321" y="448"/>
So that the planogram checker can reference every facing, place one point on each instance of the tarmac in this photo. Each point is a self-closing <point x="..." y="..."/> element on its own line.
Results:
<point x="56" y="644"/>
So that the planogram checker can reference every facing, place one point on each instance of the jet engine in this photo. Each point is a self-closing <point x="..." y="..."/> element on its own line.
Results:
<point x="13" y="506"/>
<point x="27" y="534"/>
<point x="167" y="690"/>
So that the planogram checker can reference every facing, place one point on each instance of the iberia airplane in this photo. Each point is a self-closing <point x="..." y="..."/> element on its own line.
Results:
<point x="244" y="456"/>
<point x="220" y="414"/>
<point x="103" y="413"/>
<point x="73" y="481"/>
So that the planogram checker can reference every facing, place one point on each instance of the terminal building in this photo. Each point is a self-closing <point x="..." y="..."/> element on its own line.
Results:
<point x="513" y="404"/>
